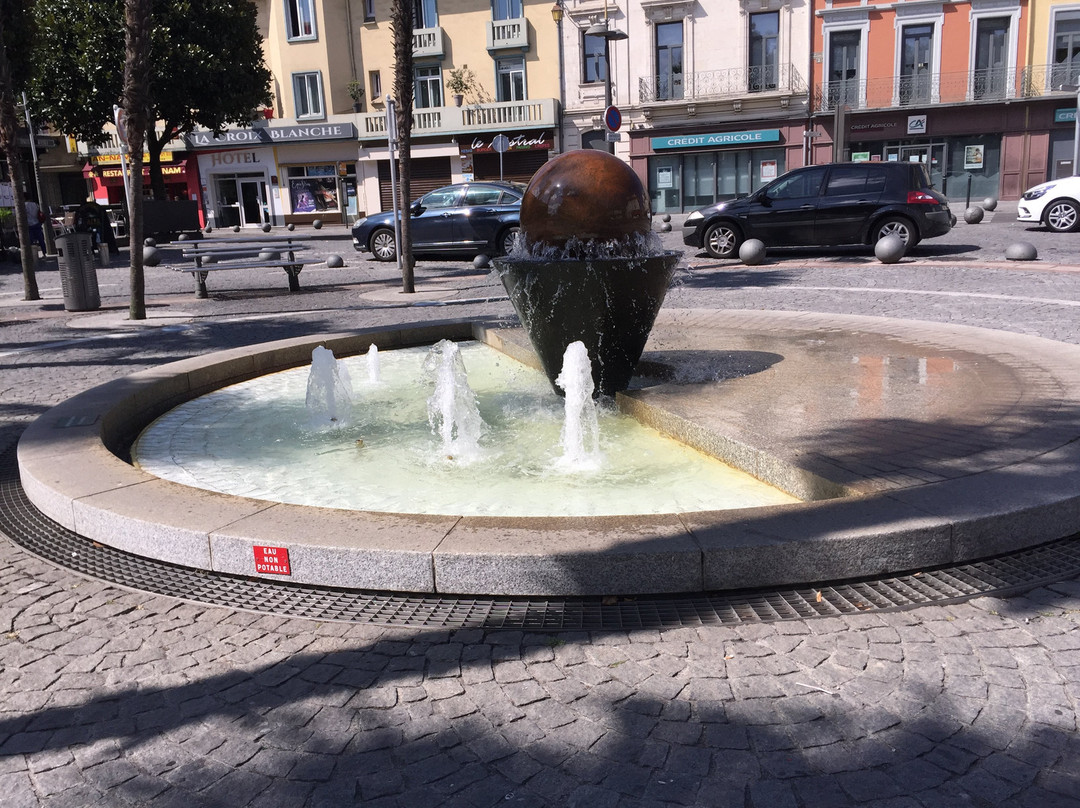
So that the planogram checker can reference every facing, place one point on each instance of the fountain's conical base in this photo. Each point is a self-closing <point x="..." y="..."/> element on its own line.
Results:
<point x="608" y="304"/>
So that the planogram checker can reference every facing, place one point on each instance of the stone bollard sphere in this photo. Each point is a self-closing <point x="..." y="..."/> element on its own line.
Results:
<point x="666" y="217"/>
<point x="973" y="215"/>
<point x="317" y="224"/>
<point x="1021" y="251"/>
<point x="183" y="237"/>
<point x="665" y="227"/>
<point x="266" y="227"/>
<point x="149" y="242"/>
<point x="208" y="230"/>
<point x="752" y="252"/>
<point x="989" y="204"/>
<point x="151" y="256"/>
<point x="290" y="227"/>
<point x="269" y="255"/>
<point x="481" y="262"/>
<point x="335" y="261"/>
<point x="890" y="249"/>
<point x="236" y="228"/>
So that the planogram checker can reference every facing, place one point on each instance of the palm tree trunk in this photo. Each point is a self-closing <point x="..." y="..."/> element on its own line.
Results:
<point x="402" y="19"/>
<point x="136" y="104"/>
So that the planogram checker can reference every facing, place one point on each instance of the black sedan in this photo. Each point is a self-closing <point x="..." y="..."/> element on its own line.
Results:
<point x="468" y="218"/>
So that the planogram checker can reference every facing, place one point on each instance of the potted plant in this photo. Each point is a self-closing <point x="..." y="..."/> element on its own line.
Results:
<point x="355" y="89"/>
<point x="461" y="81"/>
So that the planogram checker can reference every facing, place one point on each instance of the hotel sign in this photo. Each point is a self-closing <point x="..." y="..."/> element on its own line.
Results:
<point x="749" y="138"/>
<point x="269" y="135"/>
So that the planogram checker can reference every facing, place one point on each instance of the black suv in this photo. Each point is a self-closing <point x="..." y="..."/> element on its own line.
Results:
<point x="827" y="205"/>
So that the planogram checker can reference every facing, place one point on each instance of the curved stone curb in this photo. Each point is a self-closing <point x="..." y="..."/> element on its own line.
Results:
<point x="1004" y="476"/>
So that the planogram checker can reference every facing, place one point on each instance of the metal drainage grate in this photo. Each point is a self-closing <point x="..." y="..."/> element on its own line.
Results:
<point x="1002" y="575"/>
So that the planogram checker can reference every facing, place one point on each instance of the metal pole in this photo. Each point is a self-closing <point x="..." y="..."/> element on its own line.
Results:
<point x="607" y="81"/>
<point x="391" y="142"/>
<point x="46" y="226"/>
<point x="121" y="131"/>
<point x="1076" y="137"/>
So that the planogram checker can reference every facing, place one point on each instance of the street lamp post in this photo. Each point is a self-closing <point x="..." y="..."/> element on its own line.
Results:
<point x="608" y="34"/>
<point x="557" y="14"/>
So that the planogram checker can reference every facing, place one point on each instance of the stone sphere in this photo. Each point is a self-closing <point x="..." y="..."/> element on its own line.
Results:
<point x="149" y="242"/>
<point x="889" y="249"/>
<point x="236" y="228"/>
<point x="989" y="204"/>
<point x="334" y="261"/>
<point x="588" y="194"/>
<point x="266" y="227"/>
<point x="269" y="255"/>
<point x="665" y="227"/>
<point x="208" y="230"/>
<point x="1021" y="251"/>
<point x="290" y="227"/>
<point x="481" y="262"/>
<point x="973" y="215"/>
<point x="317" y="224"/>
<point x="151" y="256"/>
<point x="666" y="217"/>
<point x="752" y="252"/>
<point x="183" y="237"/>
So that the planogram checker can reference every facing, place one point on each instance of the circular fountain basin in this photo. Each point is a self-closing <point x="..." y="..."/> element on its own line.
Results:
<point x="912" y="444"/>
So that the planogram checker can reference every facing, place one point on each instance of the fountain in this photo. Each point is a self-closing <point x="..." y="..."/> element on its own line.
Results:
<point x="585" y="269"/>
<point x="910" y="444"/>
<point x="329" y="390"/>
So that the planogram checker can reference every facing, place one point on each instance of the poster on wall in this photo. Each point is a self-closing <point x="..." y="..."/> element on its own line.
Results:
<point x="664" y="177"/>
<point x="313" y="194"/>
<point x="973" y="158"/>
<point x="768" y="170"/>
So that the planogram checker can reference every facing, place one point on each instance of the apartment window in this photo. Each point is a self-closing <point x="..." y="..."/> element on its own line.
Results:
<point x="916" y="65"/>
<point x="1066" y="64"/>
<point x="375" y="83"/>
<point x="507" y="10"/>
<point x="991" y="57"/>
<point x="510" y="76"/>
<point x="300" y="19"/>
<point x="307" y="94"/>
<point x="593" y="65"/>
<point x="428" y="87"/>
<point x="764" y="51"/>
<point x="427" y="15"/>
<point x="843" y="87"/>
<point x="669" y="60"/>
<point x="369" y="10"/>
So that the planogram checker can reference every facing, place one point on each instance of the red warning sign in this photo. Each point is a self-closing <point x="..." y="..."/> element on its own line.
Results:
<point x="272" y="560"/>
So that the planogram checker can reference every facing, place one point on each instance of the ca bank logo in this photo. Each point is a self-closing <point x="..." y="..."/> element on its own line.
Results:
<point x="916" y="125"/>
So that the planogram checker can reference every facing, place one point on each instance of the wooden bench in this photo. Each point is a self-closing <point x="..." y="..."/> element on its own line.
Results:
<point x="212" y="254"/>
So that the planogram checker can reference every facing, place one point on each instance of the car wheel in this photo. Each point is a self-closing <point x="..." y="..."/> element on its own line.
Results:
<point x="383" y="245"/>
<point x="896" y="226"/>
<point x="1062" y="216"/>
<point x="722" y="240"/>
<point x="507" y="239"/>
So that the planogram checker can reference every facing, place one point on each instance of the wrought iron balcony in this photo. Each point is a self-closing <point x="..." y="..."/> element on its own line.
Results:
<point x="502" y="34"/>
<point x="428" y="43"/>
<point x="736" y="82"/>
<point x="452" y="120"/>
<point x="996" y="84"/>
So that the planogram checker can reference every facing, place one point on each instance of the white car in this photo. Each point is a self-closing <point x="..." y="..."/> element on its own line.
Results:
<point x="1055" y="204"/>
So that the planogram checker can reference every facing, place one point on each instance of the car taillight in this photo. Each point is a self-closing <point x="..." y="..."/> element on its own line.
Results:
<point x="921" y="198"/>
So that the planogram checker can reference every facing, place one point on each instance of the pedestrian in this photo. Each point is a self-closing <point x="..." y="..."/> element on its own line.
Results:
<point x="35" y="218"/>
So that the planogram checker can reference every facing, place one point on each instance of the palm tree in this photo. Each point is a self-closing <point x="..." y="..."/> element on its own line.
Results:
<point x="136" y="106"/>
<point x="402" y="19"/>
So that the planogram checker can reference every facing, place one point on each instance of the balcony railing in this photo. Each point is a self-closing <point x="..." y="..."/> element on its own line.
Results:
<point x="737" y="82"/>
<point x="997" y="84"/>
<point x="470" y="118"/>
<point x="428" y="43"/>
<point x="508" y="34"/>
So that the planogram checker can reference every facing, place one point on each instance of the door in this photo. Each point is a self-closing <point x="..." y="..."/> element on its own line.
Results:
<point x="844" y="69"/>
<point x="991" y="63"/>
<point x="228" y="203"/>
<point x="669" y="61"/>
<point x="253" y="210"/>
<point x="932" y="155"/>
<point x="852" y="194"/>
<point x="916" y="68"/>
<point x="783" y="212"/>
<point x="433" y="217"/>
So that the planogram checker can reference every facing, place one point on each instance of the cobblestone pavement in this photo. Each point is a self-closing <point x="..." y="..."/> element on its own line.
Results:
<point x="114" y="698"/>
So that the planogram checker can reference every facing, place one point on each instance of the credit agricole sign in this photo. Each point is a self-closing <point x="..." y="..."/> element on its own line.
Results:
<point x="267" y="135"/>
<point x="717" y="139"/>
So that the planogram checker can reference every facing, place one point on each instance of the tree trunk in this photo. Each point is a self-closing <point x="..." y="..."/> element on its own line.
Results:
<point x="155" y="146"/>
<point x="402" y="20"/>
<point x="136" y="103"/>
<point x="9" y="145"/>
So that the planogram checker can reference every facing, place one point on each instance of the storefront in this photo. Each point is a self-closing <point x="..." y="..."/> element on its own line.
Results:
<point x="279" y="175"/>
<point x="523" y="155"/>
<point x="106" y="177"/>
<point x="690" y="170"/>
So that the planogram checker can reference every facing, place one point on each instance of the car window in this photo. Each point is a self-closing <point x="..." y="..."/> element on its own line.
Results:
<point x="846" y="180"/>
<point x="797" y="185"/>
<point x="442" y="198"/>
<point x="511" y="197"/>
<point x="482" y="195"/>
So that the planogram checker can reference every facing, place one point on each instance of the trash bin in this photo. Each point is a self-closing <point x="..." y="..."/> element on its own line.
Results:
<point x="78" y="276"/>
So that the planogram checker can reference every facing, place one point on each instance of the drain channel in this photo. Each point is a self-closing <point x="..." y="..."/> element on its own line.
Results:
<point x="1016" y="572"/>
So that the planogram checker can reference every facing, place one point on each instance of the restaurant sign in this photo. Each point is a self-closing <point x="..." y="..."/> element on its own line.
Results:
<point x="525" y="141"/>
